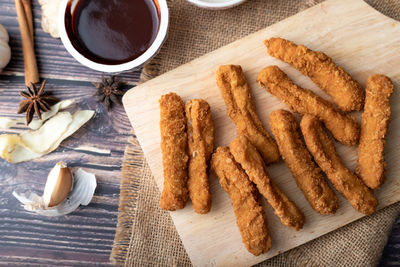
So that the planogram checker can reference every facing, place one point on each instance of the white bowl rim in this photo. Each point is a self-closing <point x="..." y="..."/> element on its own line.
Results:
<point x="228" y="3"/>
<point x="147" y="55"/>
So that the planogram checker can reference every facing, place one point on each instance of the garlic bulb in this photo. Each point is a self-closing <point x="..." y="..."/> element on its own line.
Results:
<point x="58" y="185"/>
<point x="5" y="51"/>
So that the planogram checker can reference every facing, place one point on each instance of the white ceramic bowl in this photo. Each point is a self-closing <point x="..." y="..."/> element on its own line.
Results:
<point x="146" y="56"/>
<point x="216" y="4"/>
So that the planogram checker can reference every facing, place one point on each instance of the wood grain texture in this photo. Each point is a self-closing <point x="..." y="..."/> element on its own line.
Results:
<point x="391" y="253"/>
<point x="357" y="37"/>
<point x="85" y="237"/>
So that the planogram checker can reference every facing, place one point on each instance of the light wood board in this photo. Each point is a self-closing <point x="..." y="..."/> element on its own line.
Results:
<point x="357" y="37"/>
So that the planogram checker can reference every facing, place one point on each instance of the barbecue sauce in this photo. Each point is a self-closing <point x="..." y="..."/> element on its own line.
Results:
<point x="112" y="31"/>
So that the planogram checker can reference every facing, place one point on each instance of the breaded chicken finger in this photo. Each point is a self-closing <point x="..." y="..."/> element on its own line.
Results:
<point x="374" y="125"/>
<point x="250" y="160"/>
<point x="174" y="151"/>
<point x="324" y="152"/>
<point x="240" y="106"/>
<point x="250" y="216"/>
<point x="345" y="91"/>
<point x="307" y="174"/>
<point x="200" y="130"/>
<point x="343" y="127"/>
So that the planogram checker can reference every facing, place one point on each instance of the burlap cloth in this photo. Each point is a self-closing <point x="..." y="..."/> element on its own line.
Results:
<point x="145" y="235"/>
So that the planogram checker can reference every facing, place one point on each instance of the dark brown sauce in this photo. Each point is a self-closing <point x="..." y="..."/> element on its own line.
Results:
<point x="112" y="31"/>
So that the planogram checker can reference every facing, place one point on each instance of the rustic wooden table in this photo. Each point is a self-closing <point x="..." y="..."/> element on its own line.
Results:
<point x="84" y="237"/>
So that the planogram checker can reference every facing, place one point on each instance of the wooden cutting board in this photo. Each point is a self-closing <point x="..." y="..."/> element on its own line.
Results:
<point x="357" y="37"/>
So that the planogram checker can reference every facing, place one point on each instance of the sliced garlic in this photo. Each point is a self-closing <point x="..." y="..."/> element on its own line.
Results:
<point x="7" y="123"/>
<point x="82" y="192"/>
<point x="58" y="185"/>
<point x="36" y="123"/>
<point x="42" y="139"/>
<point x="34" y="144"/>
<point x="78" y="120"/>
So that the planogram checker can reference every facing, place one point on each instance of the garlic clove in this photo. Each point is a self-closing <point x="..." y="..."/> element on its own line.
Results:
<point x="84" y="186"/>
<point x="58" y="185"/>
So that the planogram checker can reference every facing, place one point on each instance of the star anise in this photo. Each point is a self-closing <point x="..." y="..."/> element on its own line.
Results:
<point x="108" y="91"/>
<point x="35" y="101"/>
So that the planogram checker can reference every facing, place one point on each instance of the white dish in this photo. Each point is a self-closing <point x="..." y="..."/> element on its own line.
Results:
<point x="146" y="56"/>
<point x="216" y="4"/>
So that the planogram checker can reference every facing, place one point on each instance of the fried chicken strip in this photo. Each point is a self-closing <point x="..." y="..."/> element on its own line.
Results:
<point x="174" y="151"/>
<point x="240" y="107"/>
<point x="374" y="125"/>
<point x="200" y="129"/>
<point x="324" y="152"/>
<point x="343" y="127"/>
<point x="250" y="160"/>
<point x="307" y="174"/>
<point x="250" y="216"/>
<point x="345" y="91"/>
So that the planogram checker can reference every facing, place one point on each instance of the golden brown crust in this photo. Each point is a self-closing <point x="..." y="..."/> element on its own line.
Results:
<point x="200" y="129"/>
<point x="374" y="125"/>
<point x="307" y="174"/>
<point x="174" y="151"/>
<point x="250" y="216"/>
<point x="345" y="91"/>
<point x="324" y="152"/>
<point x="343" y="127"/>
<point x="240" y="107"/>
<point x="250" y="160"/>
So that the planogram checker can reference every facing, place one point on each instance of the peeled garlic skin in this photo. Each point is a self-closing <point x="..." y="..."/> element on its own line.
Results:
<point x="58" y="185"/>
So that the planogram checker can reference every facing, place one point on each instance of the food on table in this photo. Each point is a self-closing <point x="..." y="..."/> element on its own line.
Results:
<point x="108" y="91"/>
<point x="240" y="107"/>
<point x="6" y="123"/>
<point x="42" y="139"/>
<point x="25" y="22"/>
<point x="5" y="50"/>
<point x="307" y="174"/>
<point x="112" y="32"/>
<point x="324" y="152"/>
<point x="37" y="123"/>
<point x="250" y="160"/>
<point x="343" y="127"/>
<point x="174" y="144"/>
<point x="64" y="192"/>
<point x="200" y="129"/>
<point x="58" y="185"/>
<point x="35" y="101"/>
<point x="374" y="125"/>
<point x="33" y="144"/>
<point x="345" y="91"/>
<point x="50" y="12"/>
<point x="250" y="216"/>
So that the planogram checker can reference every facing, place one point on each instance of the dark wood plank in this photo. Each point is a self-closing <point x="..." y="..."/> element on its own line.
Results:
<point x="84" y="237"/>
<point x="53" y="60"/>
<point x="391" y="253"/>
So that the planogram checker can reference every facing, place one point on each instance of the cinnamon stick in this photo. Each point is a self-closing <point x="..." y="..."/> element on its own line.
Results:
<point x="30" y="64"/>
<point x="29" y="16"/>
